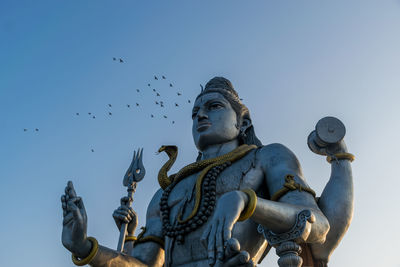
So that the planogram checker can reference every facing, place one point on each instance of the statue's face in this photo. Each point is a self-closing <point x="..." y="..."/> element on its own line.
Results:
<point x="214" y="121"/>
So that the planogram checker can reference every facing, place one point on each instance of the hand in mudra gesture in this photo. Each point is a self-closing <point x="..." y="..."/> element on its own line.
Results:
<point x="75" y="223"/>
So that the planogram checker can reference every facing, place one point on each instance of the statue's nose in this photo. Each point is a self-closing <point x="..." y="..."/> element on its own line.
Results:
<point x="201" y="115"/>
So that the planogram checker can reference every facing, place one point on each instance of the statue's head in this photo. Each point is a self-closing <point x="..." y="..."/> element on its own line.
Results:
<point x="219" y="116"/>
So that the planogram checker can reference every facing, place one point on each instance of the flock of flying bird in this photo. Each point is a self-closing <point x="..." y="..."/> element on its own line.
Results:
<point x="157" y="101"/>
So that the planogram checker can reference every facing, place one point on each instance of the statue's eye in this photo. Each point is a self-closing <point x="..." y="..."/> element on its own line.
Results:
<point x="194" y="115"/>
<point x="215" y="105"/>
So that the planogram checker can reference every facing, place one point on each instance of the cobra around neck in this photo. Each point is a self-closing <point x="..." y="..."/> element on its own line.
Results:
<point x="216" y="150"/>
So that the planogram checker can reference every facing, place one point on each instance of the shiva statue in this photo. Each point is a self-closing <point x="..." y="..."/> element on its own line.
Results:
<point x="239" y="199"/>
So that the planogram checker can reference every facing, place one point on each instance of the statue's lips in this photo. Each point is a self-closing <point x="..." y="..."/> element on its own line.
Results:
<point x="203" y="126"/>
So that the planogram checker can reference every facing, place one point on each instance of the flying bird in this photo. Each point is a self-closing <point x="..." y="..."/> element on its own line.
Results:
<point x="148" y="85"/>
<point x="188" y="101"/>
<point x="77" y="114"/>
<point x="25" y="130"/>
<point x="137" y="90"/>
<point x="152" y="115"/>
<point x="170" y="85"/>
<point x="173" y="122"/>
<point x="128" y="105"/>
<point x="89" y="113"/>
<point x="154" y="90"/>
<point x="165" y="116"/>
<point x="178" y="93"/>
<point x="163" y="77"/>
<point x="162" y="105"/>
<point x="137" y="104"/>
<point x="155" y="77"/>
<point x="176" y="105"/>
<point x="121" y="61"/>
<point x="114" y="58"/>
<point x="156" y="103"/>
<point x="109" y="113"/>
<point x="110" y="105"/>
<point x="94" y="117"/>
<point x="92" y="150"/>
<point x="158" y="94"/>
<point x="37" y="130"/>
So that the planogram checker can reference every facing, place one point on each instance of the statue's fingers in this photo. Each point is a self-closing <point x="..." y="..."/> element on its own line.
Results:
<point x="72" y="207"/>
<point x="211" y="244"/>
<point x="204" y="236"/>
<point x="71" y="189"/>
<point x="68" y="217"/>
<point x="232" y="248"/>
<point x="219" y="240"/>
<point x="125" y="201"/>
<point x="238" y="260"/>
<point x="227" y="232"/>
<point x="125" y="214"/>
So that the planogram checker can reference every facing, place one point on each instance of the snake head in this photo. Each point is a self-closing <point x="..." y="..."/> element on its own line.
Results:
<point x="136" y="170"/>
<point x="171" y="151"/>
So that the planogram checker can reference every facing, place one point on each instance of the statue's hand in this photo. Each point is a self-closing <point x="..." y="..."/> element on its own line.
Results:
<point x="75" y="223"/>
<point x="219" y="229"/>
<point x="234" y="257"/>
<point x="325" y="150"/>
<point x="125" y="214"/>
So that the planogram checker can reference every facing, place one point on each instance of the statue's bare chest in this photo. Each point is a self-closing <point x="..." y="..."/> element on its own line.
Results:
<point x="241" y="174"/>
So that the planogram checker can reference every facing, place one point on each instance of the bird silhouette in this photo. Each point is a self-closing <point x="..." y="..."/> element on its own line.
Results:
<point x="188" y="101"/>
<point x="110" y="105"/>
<point x="173" y="122"/>
<point x="92" y="150"/>
<point x="161" y="102"/>
<point x="121" y="61"/>
<point x="241" y="99"/>
<point x="158" y="94"/>
<point x="170" y="85"/>
<point x="163" y="77"/>
<point x="148" y="85"/>
<point x="165" y="116"/>
<point x="128" y="105"/>
<point x="155" y="77"/>
<point x="94" y="117"/>
<point x="37" y="130"/>
<point x="137" y="90"/>
<point x="25" y="130"/>
<point x="176" y="105"/>
<point x="89" y="113"/>
<point x="109" y="113"/>
<point x="152" y="115"/>
<point x="178" y="93"/>
<point x="156" y="103"/>
<point x="154" y="90"/>
<point x="77" y="114"/>
<point x="137" y="104"/>
<point x="162" y="105"/>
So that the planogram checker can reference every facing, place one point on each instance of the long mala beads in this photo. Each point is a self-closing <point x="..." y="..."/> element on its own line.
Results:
<point x="206" y="208"/>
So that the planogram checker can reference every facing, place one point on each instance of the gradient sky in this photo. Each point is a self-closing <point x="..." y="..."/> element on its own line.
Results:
<point x="293" y="62"/>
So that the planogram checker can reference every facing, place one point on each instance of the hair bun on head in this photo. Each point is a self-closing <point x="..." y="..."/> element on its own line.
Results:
<point x="220" y="83"/>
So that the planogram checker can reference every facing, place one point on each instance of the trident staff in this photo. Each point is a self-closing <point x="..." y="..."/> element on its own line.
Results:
<point x="134" y="174"/>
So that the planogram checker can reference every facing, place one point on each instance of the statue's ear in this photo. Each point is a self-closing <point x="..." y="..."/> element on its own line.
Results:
<point x="246" y="123"/>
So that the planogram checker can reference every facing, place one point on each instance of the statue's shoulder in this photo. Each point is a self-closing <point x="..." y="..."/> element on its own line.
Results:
<point x="153" y="210"/>
<point x="276" y="154"/>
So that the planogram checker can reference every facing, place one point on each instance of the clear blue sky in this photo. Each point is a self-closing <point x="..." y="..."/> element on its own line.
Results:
<point x="293" y="62"/>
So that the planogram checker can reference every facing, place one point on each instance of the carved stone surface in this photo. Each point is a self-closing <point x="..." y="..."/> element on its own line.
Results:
<point x="293" y="234"/>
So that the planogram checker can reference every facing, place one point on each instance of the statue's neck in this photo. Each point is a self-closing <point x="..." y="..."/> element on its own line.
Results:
<point x="219" y="149"/>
